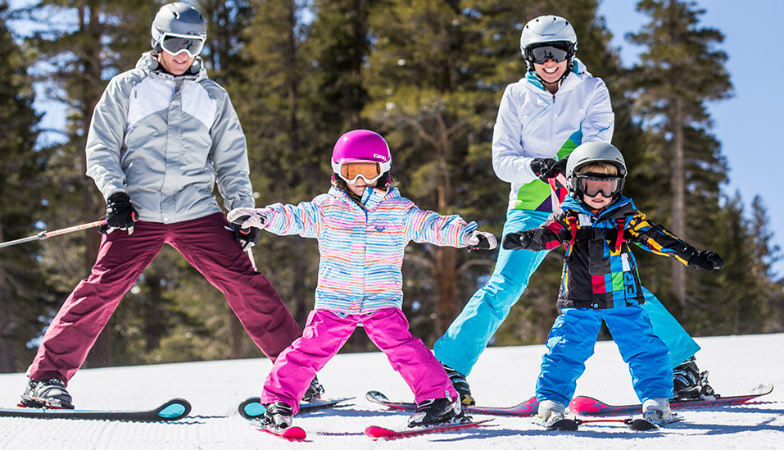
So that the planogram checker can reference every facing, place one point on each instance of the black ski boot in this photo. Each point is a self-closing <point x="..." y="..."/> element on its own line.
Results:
<point x="277" y="416"/>
<point x="437" y="411"/>
<point x="49" y="393"/>
<point x="314" y="392"/>
<point x="461" y="386"/>
<point x="689" y="382"/>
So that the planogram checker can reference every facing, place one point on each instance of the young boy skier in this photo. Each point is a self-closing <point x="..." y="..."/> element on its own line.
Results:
<point x="600" y="282"/>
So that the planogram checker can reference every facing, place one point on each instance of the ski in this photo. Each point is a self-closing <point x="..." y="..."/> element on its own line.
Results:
<point x="174" y="409"/>
<point x="293" y="434"/>
<point x="525" y="409"/>
<point x="589" y="406"/>
<point x="251" y="408"/>
<point x="377" y="433"/>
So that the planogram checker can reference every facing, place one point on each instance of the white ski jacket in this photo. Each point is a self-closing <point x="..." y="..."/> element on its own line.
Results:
<point x="166" y="140"/>
<point x="533" y="123"/>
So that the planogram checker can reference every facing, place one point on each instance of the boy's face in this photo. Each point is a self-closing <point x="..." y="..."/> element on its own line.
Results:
<point x="598" y="201"/>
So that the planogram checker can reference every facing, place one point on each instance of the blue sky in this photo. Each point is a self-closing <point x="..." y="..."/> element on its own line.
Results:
<point x="746" y="124"/>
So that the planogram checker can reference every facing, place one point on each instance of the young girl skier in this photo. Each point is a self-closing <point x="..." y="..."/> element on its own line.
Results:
<point x="363" y="226"/>
<point x="596" y="225"/>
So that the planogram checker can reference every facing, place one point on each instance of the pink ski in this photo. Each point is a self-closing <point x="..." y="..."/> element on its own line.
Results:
<point x="589" y="406"/>
<point x="525" y="409"/>
<point x="377" y="433"/>
<point x="294" y="434"/>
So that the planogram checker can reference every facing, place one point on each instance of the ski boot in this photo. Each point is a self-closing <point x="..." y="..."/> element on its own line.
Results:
<point x="277" y="416"/>
<point x="49" y="393"/>
<point x="689" y="382"/>
<point x="657" y="411"/>
<point x="437" y="411"/>
<point x="461" y="386"/>
<point x="314" y="392"/>
<point x="551" y="415"/>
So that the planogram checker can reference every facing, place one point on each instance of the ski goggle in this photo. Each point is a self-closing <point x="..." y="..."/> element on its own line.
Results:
<point x="370" y="171"/>
<point x="591" y="185"/>
<point x="178" y="43"/>
<point x="541" y="54"/>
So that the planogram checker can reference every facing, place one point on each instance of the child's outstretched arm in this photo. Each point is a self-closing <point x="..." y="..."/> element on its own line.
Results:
<point x="304" y="219"/>
<point x="548" y="236"/>
<point x="453" y="231"/>
<point x="657" y="239"/>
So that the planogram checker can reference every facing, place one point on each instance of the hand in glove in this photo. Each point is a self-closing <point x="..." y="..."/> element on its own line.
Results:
<point x="546" y="168"/>
<point x="480" y="240"/>
<point x="120" y="213"/>
<point x="706" y="260"/>
<point x="519" y="240"/>
<point x="248" y="217"/>
<point x="245" y="223"/>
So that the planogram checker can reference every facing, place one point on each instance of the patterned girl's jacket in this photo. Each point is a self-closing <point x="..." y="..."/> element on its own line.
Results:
<point x="600" y="270"/>
<point x="362" y="247"/>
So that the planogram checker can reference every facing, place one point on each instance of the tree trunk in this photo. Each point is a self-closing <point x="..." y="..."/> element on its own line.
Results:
<point x="678" y="182"/>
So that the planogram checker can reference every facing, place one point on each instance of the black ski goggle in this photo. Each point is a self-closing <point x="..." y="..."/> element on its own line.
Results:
<point x="541" y="54"/>
<point x="178" y="43"/>
<point x="591" y="185"/>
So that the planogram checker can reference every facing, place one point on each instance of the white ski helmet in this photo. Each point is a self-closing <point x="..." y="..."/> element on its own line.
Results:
<point x="593" y="152"/>
<point x="544" y="29"/>
<point x="181" y="20"/>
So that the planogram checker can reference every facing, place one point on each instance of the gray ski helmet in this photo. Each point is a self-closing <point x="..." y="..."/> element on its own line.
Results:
<point x="177" y="18"/>
<point x="592" y="152"/>
<point x="544" y="29"/>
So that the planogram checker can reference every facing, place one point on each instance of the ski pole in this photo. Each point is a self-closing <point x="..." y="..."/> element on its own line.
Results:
<point x="47" y="234"/>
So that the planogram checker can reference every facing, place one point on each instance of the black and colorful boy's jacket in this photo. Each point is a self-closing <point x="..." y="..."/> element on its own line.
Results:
<point x="599" y="269"/>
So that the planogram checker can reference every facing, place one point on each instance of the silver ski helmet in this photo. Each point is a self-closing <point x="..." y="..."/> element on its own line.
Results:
<point x="548" y="29"/>
<point x="594" y="152"/>
<point x="178" y="27"/>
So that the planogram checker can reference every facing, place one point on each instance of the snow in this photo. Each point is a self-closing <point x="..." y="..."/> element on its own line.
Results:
<point x="503" y="376"/>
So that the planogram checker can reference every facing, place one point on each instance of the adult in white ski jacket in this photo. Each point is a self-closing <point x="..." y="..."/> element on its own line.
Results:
<point x="162" y="136"/>
<point x="542" y="118"/>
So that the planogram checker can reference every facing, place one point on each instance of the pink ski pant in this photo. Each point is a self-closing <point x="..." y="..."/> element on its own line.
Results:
<point x="207" y="245"/>
<point x="326" y="332"/>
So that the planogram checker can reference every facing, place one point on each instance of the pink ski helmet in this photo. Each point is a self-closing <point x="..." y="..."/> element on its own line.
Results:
<point x="361" y="146"/>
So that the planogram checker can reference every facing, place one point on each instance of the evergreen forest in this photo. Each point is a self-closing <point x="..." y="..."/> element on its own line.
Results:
<point x="426" y="74"/>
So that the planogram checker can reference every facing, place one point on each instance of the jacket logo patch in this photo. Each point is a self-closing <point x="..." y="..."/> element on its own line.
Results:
<point x="380" y="229"/>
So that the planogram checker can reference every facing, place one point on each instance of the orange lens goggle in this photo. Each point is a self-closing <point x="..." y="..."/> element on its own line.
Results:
<point x="350" y="171"/>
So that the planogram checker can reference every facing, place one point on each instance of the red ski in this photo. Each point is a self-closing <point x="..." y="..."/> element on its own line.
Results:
<point x="377" y="433"/>
<point x="589" y="406"/>
<point x="294" y="434"/>
<point x="525" y="409"/>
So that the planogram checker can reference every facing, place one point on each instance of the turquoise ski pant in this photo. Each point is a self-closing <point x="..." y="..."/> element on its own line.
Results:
<point x="468" y="335"/>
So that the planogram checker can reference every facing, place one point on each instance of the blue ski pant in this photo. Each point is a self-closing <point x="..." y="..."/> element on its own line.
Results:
<point x="468" y="335"/>
<point x="571" y="342"/>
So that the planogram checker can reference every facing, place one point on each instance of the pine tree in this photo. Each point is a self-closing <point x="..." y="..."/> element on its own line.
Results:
<point x="678" y="73"/>
<point x="23" y="295"/>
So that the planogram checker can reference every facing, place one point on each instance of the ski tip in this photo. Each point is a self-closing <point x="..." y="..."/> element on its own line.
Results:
<point x="251" y="408"/>
<point x="376" y="396"/>
<point x="174" y="409"/>
<point x="586" y="405"/>
<point x="375" y="432"/>
<point x="762" y="389"/>
<point x="290" y="433"/>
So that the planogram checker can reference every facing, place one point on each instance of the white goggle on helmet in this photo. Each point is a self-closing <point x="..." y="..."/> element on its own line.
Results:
<point x="179" y="27"/>
<point x="547" y="30"/>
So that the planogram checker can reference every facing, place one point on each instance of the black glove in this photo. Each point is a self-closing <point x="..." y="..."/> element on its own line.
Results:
<point x="245" y="236"/>
<point x="706" y="260"/>
<point x="518" y="241"/>
<point x="546" y="168"/>
<point x="120" y="213"/>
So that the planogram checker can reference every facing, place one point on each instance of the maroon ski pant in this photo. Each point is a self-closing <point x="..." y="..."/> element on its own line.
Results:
<point x="208" y="245"/>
